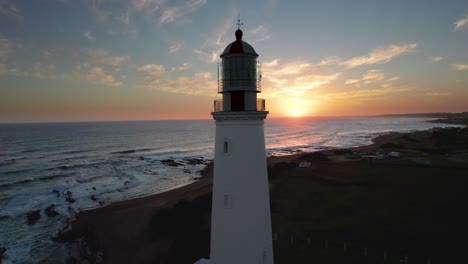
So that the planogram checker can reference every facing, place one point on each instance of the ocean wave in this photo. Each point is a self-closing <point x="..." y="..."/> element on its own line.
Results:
<point x="76" y="166"/>
<point x="76" y="151"/>
<point x="130" y="151"/>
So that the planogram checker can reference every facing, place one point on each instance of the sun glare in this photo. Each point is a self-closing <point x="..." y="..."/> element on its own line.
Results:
<point x="296" y="113"/>
<point x="297" y="107"/>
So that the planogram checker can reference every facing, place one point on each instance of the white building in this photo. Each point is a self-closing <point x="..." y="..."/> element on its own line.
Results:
<point x="240" y="221"/>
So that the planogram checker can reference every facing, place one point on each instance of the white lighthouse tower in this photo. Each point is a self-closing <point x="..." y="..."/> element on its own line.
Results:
<point x="240" y="221"/>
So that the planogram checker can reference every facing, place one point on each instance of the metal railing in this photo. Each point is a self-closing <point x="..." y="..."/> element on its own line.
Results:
<point x="218" y="105"/>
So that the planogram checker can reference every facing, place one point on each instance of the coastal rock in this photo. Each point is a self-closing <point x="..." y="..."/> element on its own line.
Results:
<point x="2" y="253"/>
<point x="195" y="161"/>
<point x="69" y="198"/>
<point x="171" y="162"/>
<point x="57" y="193"/>
<point x="34" y="216"/>
<point x="50" y="211"/>
<point x="92" y="197"/>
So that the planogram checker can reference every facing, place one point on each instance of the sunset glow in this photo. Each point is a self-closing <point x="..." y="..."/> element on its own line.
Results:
<point x="135" y="60"/>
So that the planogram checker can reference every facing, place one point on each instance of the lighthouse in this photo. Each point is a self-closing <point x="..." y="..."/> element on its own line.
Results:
<point x="240" y="220"/>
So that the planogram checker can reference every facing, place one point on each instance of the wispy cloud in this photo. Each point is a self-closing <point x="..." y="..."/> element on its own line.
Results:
<point x="258" y="34"/>
<point x="175" y="47"/>
<point x="369" y="77"/>
<point x="380" y="55"/>
<point x="435" y="59"/>
<point x="461" y="23"/>
<point x="293" y="78"/>
<point x="152" y="71"/>
<point x="8" y="8"/>
<point x="148" y="6"/>
<point x="460" y="67"/>
<point x="365" y="93"/>
<point x="184" y="66"/>
<point x="6" y="47"/>
<point x="171" y="14"/>
<point x="98" y="75"/>
<point x="7" y="50"/>
<point x="157" y="78"/>
<point x="91" y="56"/>
<point x="438" y="94"/>
<point x="394" y="78"/>
<point x="206" y="57"/>
<point x="89" y="36"/>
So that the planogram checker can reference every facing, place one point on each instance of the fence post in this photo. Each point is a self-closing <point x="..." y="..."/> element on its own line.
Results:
<point x="429" y="260"/>
<point x="365" y="252"/>
<point x="406" y="258"/>
<point x="292" y="239"/>
<point x="385" y="254"/>
<point x="326" y="243"/>
<point x="308" y="241"/>
<point x="276" y="236"/>
<point x="344" y="247"/>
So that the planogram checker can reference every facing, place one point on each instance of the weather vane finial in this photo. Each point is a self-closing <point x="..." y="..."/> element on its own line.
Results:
<point x="239" y="24"/>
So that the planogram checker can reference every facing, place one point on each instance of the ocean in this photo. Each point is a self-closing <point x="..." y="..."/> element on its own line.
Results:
<point x="78" y="166"/>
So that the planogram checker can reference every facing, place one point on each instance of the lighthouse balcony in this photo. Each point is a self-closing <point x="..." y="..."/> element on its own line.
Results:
<point x="225" y="106"/>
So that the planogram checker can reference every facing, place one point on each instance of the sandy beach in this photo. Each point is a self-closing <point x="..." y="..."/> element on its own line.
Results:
<point x="147" y="229"/>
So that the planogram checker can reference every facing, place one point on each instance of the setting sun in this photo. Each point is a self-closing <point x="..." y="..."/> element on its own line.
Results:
<point x="297" y="107"/>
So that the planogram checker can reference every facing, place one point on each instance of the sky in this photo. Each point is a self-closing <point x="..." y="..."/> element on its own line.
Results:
<point x="91" y="60"/>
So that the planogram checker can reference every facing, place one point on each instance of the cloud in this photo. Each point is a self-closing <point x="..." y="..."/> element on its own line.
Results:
<point x="258" y="34"/>
<point x="89" y="36"/>
<point x="124" y="18"/>
<point x="6" y="48"/>
<point x="8" y="8"/>
<point x="158" y="78"/>
<point x="91" y="56"/>
<point x="460" y="67"/>
<point x="184" y="66"/>
<point x="364" y="93"/>
<point x="148" y="6"/>
<point x="152" y="71"/>
<point x="175" y="47"/>
<point x="206" y="57"/>
<point x="438" y="94"/>
<point x="97" y="75"/>
<point x="461" y="23"/>
<point x="369" y="77"/>
<point x="394" y="78"/>
<point x="435" y="59"/>
<point x="380" y="55"/>
<point x="171" y="14"/>
<point x="293" y="78"/>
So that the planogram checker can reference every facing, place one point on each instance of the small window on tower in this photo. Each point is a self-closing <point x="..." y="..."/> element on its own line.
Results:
<point x="227" y="201"/>
<point x="226" y="147"/>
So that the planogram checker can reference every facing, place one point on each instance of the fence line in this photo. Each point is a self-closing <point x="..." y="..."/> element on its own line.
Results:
<point x="352" y="249"/>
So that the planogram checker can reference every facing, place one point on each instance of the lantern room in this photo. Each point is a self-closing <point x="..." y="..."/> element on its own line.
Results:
<point x="239" y="78"/>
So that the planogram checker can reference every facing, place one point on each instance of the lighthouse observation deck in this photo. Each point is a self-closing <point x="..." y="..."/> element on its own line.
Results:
<point x="218" y="105"/>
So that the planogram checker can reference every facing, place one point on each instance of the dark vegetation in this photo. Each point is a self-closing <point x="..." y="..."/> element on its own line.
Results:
<point x="187" y="226"/>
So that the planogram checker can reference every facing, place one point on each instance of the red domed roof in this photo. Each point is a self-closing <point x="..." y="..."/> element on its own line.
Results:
<point x="239" y="46"/>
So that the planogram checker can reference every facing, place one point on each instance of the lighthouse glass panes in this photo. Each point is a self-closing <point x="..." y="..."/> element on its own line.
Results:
<point x="239" y="72"/>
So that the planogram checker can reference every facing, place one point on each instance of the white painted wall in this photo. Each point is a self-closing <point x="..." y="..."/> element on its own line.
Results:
<point x="241" y="225"/>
